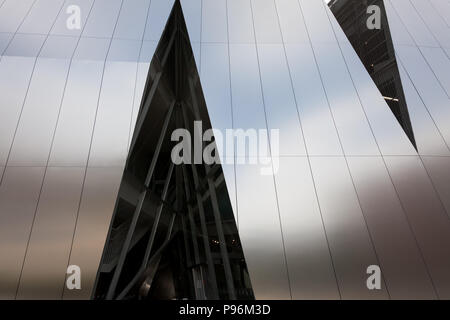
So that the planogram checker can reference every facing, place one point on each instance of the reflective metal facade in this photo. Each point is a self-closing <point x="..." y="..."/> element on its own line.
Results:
<point x="351" y="190"/>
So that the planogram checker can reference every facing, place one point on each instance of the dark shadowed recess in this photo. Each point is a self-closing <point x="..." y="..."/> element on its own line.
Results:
<point x="173" y="234"/>
<point x="376" y="51"/>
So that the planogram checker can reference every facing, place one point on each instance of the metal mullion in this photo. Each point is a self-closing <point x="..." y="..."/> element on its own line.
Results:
<point x="145" y="107"/>
<point x="157" y="217"/>
<point x="201" y="211"/>
<point x="159" y="145"/>
<point x="216" y="211"/>
<point x="138" y="274"/>
<point x="191" y="218"/>
<point x="169" y="47"/>
<point x="136" y="214"/>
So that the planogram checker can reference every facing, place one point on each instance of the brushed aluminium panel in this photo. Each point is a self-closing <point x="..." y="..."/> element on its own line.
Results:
<point x="429" y="139"/>
<point x="132" y="19"/>
<point x="414" y="24"/>
<point x="5" y="38"/>
<point x="145" y="56"/>
<point x="279" y="101"/>
<point x="60" y="47"/>
<point x="25" y="45"/>
<point x="443" y="7"/>
<point x="141" y="77"/>
<point x="32" y="142"/>
<point x="339" y="33"/>
<point x="400" y="258"/>
<point x="439" y="170"/>
<point x="318" y="128"/>
<point x="399" y="33"/>
<point x="92" y="49"/>
<point x="60" y="26"/>
<point x="317" y="23"/>
<point x="41" y="17"/>
<point x="15" y="73"/>
<point x="214" y="21"/>
<point x="248" y="108"/>
<point x="112" y="125"/>
<point x="389" y="135"/>
<point x="157" y="18"/>
<point x="291" y="20"/>
<point x="447" y="51"/>
<point x="260" y="233"/>
<point x="192" y="10"/>
<point x="428" y="87"/>
<point x="147" y="51"/>
<point x="99" y="195"/>
<point x="124" y="50"/>
<point x="350" y="244"/>
<point x="51" y="237"/>
<point x="12" y="14"/>
<point x="439" y="64"/>
<point x="240" y="21"/>
<point x="311" y="272"/>
<point x="432" y="19"/>
<point x="351" y="123"/>
<point x="428" y="219"/>
<point x="267" y="28"/>
<point x="215" y="79"/>
<point x="19" y="194"/>
<point x="102" y="19"/>
<point x="76" y="121"/>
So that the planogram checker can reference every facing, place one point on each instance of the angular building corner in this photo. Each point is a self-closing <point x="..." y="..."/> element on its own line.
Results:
<point x="360" y="176"/>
